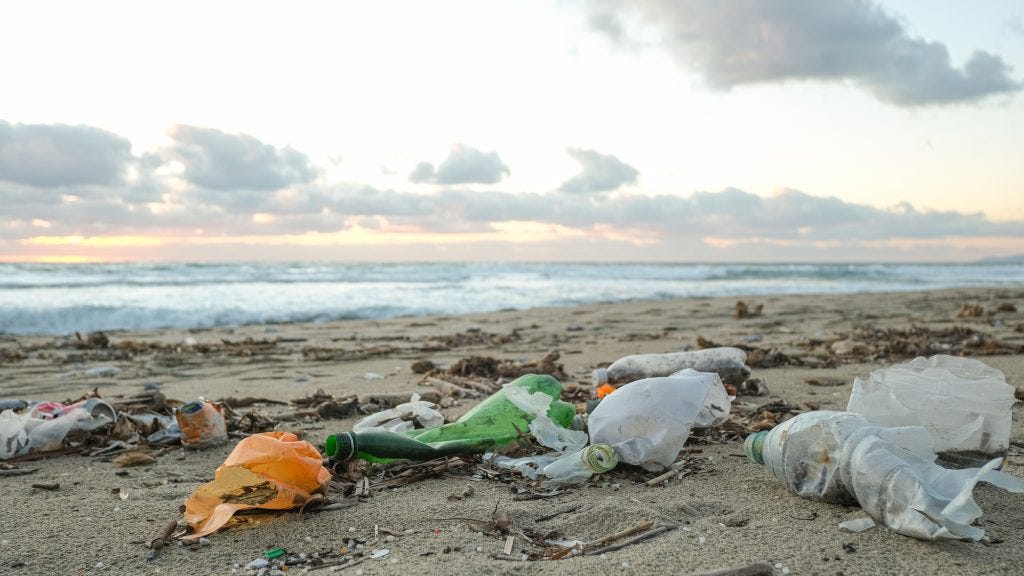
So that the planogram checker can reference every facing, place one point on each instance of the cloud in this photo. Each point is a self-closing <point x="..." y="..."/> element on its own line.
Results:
<point x="218" y="160"/>
<point x="464" y="165"/>
<point x="737" y="42"/>
<point x="600" y="172"/>
<point x="56" y="155"/>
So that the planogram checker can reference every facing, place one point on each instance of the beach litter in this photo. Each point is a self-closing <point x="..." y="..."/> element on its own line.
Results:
<point x="838" y="456"/>
<point x="728" y="362"/>
<point x="270" y="470"/>
<point x="964" y="405"/>
<point x="495" y="422"/>
<point x="648" y="421"/>
<point x="46" y="425"/>
<point x="201" y="424"/>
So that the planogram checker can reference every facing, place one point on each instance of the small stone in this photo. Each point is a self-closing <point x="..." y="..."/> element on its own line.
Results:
<point x="258" y="563"/>
<point x="352" y="529"/>
<point x="99" y="565"/>
<point x="625" y="563"/>
<point x="308" y="539"/>
<point x="479" y="549"/>
<point x="389" y="538"/>
<point x="205" y="542"/>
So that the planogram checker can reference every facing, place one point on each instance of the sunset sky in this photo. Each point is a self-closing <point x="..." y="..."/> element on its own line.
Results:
<point x="655" y="130"/>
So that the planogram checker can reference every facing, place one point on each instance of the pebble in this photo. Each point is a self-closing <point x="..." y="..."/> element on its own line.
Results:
<point x="389" y="538"/>
<point x="479" y="548"/>
<point x="372" y="376"/>
<point x="308" y="539"/>
<point x="258" y="563"/>
<point x="352" y="529"/>
<point x="99" y="565"/>
<point x="205" y="542"/>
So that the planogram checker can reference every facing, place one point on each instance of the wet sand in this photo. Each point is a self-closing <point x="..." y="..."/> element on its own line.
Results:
<point x="729" y="512"/>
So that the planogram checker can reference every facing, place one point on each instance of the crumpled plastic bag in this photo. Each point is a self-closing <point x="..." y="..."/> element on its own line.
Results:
<point x="648" y="421"/>
<point x="47" y="424"/>
<point x="399" y="418"/>
<point x="271" y="470"/>
<point x="964" y="404"/>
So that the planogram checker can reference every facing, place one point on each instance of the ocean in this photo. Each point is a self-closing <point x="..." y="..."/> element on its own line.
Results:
<point x="64" y="298"/>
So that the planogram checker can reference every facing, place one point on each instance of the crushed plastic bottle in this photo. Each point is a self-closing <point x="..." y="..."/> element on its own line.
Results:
<point x="964" y="404"/>
<point x="495" y="422"/>
<point x="838" y="457"/>
<point x="729" y="363"/>
<point x="573" y="467"/>
<point x="649" y="420"/>
<point x="45" y="426"/>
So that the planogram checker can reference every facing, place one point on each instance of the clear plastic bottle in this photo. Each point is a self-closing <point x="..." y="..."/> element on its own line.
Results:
<point x="729" y="363"/>
<point x="839" y="457"/>
<point x="577" y="467"/>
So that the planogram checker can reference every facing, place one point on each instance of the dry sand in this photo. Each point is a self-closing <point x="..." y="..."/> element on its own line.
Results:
<point x="731" y="512"/>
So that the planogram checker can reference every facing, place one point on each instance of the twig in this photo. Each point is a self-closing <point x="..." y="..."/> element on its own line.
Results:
<point x="40" y="486"/>
<point x="649" y="534"/>
<point x="558" y="513"/>
<point x="338" y="565"/>
<point x="16" y="471"/>
<point x="621" y="534"/>
<point x="758" y="569"/>
<point x="672" y="471"/>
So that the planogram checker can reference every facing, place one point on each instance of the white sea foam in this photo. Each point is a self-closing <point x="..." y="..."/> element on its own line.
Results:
<point x="57" y="299"/>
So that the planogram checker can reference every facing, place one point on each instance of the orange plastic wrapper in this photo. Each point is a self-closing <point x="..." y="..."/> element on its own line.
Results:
<point x="272" y="470"/>
<point x="604" y="390"/>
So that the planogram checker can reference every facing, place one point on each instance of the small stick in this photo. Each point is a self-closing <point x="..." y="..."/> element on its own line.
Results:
<point x="758" y="569"/>
<point x="672" y="471"/>
<point x="16" y="471"/>
<point x="53" y="486"/>
<point x="337" y="565"/>
<point x="558" y="513"/>
<point x="635" y="539"/>
<point x="164" y="536"/>
<point x="622" y="534"/>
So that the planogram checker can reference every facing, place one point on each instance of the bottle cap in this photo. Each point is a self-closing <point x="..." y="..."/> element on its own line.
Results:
<point x="752" y="446"/>
<point x="599" y="458"/>
<point x="340" y="447"/>
<point x="600" y="376"/>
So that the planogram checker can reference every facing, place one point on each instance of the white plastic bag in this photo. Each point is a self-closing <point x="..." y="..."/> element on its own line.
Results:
<point x="648" y="421"/>
<point x="964" y="404"/>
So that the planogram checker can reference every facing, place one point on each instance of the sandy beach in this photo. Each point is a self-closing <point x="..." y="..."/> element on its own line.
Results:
<point x="728" y="511"/>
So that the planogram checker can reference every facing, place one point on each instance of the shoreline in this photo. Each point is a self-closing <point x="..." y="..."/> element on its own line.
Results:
<point x="731" y="512"/>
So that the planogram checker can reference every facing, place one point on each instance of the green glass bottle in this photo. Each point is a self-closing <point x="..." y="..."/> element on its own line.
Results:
<point x="491" y="424"/>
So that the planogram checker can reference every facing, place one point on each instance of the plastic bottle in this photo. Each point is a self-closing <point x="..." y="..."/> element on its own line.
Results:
<point x="495" y="422"/>
<point x="840" y="457"/>
<point x="728" y="363"/>
<point x="649" y="420"/>
<point x="559" y="468"/>
<point x="964" y="404"/>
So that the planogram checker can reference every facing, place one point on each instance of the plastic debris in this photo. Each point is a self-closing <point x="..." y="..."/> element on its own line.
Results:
<point x="648" y="421"/>
<point x="402" y="417"/>
<point x="833" y="456"/>
<point x="964" y="404"/>
<point x="574" y="467"/>
<point x="271" y="470"/>
<point x="857" y="525"/>
<point x="727" y="362"/>
<point x="201" y="424"/>
<point x="45" y="426"/>
<point x="491" y="424"/>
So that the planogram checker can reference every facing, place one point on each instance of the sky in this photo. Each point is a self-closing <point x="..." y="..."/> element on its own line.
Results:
<point x="585" y="130"/>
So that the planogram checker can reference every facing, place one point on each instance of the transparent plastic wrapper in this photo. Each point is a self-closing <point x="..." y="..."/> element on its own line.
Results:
<point x="560" y="468"/>
<point x="840" y="457"/>
<point x="47" y="424"/>
<point x="400" y="418"/>
<point x="648" y="421"/>
<point x="964" y="404"/>
<point x="729" y="363"/>
<point x="270" y="470"/>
